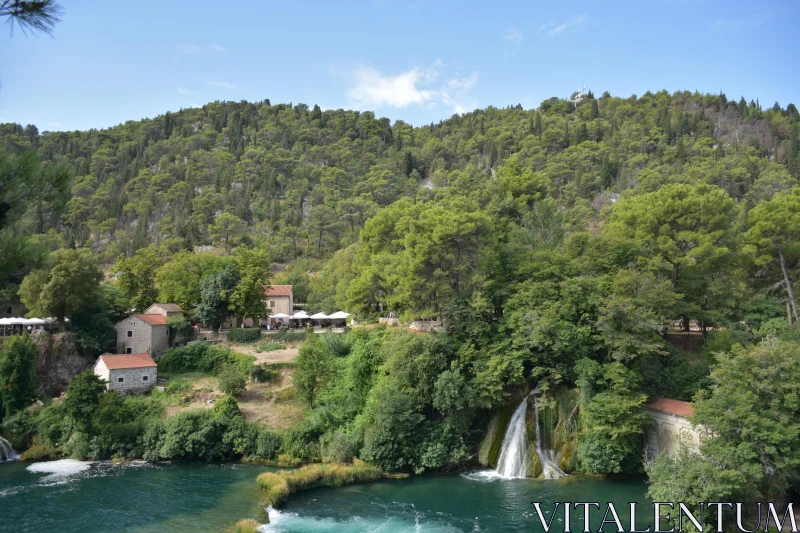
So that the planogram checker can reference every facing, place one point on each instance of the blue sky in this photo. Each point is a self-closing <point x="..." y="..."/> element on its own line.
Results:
<point x="419" y="61"/>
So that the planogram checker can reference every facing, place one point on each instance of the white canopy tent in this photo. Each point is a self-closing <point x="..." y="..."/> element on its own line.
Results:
<point x="339" y="315"/>
<point x="319" y="316"/>
<point x="19" y="323"/>
<point x="279" y="315"/>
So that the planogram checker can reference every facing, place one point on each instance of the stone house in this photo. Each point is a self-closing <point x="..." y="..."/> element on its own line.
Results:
<point x="143" y="334"/>
<point x="127" y="372"/>
<point x="670" y="427"/>
<point x="168" y="310"/>
<point x="278" y="299"/>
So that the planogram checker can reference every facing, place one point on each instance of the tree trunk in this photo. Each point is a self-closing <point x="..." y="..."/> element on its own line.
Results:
<point x="788" y="283"/>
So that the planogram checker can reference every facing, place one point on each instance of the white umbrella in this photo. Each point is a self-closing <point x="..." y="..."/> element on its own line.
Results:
<point x="319" y="316"/>
<point x="279" y="315"/>
<point x="36" y="322"/>
<point x="339" y="315"/>
<point x="302" y="315"/>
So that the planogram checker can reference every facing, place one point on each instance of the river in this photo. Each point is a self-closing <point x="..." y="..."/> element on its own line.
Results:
<point x="177" y="498"/>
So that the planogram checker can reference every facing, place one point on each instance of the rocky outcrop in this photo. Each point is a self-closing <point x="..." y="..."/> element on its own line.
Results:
<point x="59" y="360"/>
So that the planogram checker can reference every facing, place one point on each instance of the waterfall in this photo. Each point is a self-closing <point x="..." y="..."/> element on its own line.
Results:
<point x="546" y="455"/>
<point x="513" y="461"/>
<point x="7" y="453"/>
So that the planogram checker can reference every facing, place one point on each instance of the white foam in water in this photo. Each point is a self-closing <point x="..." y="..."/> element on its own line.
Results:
<point x="485" y="475"/>
<point x="284" y="522"/>
<point x="59" y="469"/>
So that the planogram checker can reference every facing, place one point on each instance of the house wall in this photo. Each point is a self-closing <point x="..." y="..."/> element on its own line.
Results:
<point x="146" y="338"/>
<point x="666" y="433"/>
<point x="283" y="304"/>
<point x="132" y="379"/>
<point x="101" y="370"/>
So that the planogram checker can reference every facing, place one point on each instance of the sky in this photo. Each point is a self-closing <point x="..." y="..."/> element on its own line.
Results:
<point x="413" y="60"/>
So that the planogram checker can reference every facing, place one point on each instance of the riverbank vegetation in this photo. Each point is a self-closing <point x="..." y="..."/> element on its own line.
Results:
<point x="280" y="485"/>
<point x="568" y="247"/>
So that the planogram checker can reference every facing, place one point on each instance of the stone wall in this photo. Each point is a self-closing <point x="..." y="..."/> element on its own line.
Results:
<point x="667" y="432"/>
<point x="145" y="338"/>
<point x="132" y="379"/>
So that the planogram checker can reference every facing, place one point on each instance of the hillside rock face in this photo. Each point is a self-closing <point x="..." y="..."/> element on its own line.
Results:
<point x="59" y="360"/>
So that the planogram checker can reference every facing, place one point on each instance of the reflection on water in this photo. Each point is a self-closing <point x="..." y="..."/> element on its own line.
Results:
<point x="180" y="498"/>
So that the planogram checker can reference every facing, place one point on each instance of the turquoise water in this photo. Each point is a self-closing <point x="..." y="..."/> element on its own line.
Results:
<point x="137" y="497"/>
<point x="74" y="497"/>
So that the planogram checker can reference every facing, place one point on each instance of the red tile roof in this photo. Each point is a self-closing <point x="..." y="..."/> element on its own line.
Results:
<point x="279" y="290"/>
<point x="131" y="360"/>
<point x="673" y="407"/>
<point x="154" y="320"/>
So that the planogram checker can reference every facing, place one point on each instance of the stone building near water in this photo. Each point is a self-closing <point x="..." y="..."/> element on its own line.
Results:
<point x="670" y="427"/>
<point x="127" y="372"/>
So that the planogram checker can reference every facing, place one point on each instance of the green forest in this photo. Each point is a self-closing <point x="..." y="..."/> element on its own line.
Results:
<point x="558" y="245"/>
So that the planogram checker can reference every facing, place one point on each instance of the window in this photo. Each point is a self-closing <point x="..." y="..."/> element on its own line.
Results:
<point x="272" y="303"/>
<point x="130" y="334"/>
<point x="10" y="310"/>
<point x="144" y="378"/>
<point x="128" y="350"/>
<point x="120" y="380"/>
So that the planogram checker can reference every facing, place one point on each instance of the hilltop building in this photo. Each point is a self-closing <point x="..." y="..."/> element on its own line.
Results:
<point x="670" y="427"/>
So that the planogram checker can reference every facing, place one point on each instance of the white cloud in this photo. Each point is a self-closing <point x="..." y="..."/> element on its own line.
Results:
<point x="372" y="90"/>
<point x="223" y="84"/>
<point x="514" y="36"/>
<point x="216" y="47"/>
<point x="455" y="94"/>
<point x="181" y="90"/>
<point x="571" y="26"/>
<point x="189" y="48"/>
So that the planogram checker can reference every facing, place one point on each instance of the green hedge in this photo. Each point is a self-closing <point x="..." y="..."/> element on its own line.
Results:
<point x="243" y="335"/>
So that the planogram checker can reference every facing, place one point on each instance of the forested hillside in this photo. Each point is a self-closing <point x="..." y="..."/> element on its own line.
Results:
<point x="305" y="182"/>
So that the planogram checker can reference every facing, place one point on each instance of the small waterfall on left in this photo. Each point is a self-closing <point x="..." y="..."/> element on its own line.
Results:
<point x="7" y="452"/>
<point x="513" y="460"/>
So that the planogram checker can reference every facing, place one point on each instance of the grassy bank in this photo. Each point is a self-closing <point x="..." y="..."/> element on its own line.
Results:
<point x="279" y="485"/>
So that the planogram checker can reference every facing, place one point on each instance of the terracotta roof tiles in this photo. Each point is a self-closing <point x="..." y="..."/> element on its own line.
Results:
<point x="131" y="360"/>
<point x="154" y="320"/>
<point x="673" y="407"/>
<point x="279" y="290"/>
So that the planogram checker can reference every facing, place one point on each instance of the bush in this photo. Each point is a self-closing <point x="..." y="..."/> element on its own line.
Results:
<point x="285" y="335"/>
<point x="177" y="386"/>
<point x="232" y="382"/>
<point x="268" y="445"/>
<point x="338" y="343"/>
<point x="270" y="347"/>
<point x="202" y="357"/>
<point x="264" y="374"/>
<point x="246" y="526"/>
<point x="244" y="335"/>
<point x="226" y="408"/>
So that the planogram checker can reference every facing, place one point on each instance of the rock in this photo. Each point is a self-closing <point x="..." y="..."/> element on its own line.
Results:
<point x="59" y="361"/>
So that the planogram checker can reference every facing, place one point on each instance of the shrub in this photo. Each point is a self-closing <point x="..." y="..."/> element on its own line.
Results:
<point x="226" y="408"/>
<point x="264" y="374"/>
<point x="270" y="347"/>
<point x="338" y="343"/>
<point x="284" y="335"/>
<point x="232" y="382"/>
<point x="244" y="335"/>
<point x="202" y="357"/>
<point x="268" y="445"/>
<point x="177" y="386"/>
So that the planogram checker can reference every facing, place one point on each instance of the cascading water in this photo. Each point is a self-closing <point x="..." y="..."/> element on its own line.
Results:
<point x="546" y="455"/>
<point x="7" y="453"/>
<point x="513" y="459"/>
